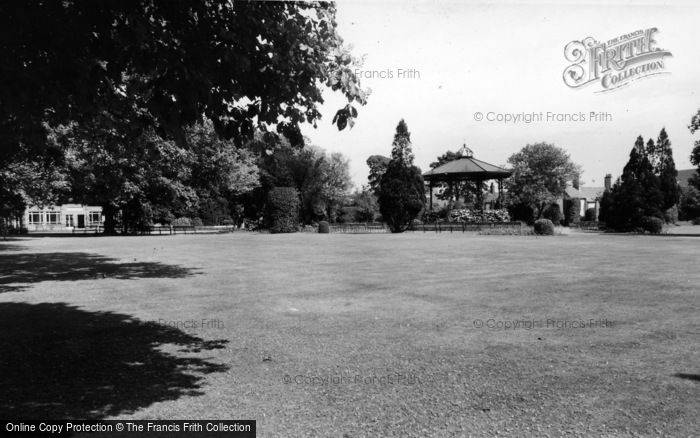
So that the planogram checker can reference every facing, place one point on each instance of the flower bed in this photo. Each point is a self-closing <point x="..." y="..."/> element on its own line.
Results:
<point x="466" y="215"/>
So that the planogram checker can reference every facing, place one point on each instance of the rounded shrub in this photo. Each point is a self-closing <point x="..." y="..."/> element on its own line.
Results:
<point x="652" y="224"/>
<point x="283" y="210"/>
<point x="324" y="227"/>
<point x="544" y="227"/>
<point x="181" y="222"/>
<point x="553" y="213"/>
<point x="590" y="214"/>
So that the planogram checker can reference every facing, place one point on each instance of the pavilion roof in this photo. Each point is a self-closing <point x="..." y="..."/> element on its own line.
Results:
<point x="466" y="167"/>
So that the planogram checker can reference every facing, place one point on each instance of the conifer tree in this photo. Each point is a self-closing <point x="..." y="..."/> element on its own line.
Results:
<point x="401" y="149"/>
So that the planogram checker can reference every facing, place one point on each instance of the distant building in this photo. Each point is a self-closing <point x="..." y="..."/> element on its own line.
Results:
<point x="588" y="197"/>
<point x="65" y="217"/>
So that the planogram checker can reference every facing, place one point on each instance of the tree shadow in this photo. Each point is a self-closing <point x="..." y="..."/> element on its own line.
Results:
<point x="695" y="377"/>
<point x="19" y="270"/>
<point x="60" y="362"/>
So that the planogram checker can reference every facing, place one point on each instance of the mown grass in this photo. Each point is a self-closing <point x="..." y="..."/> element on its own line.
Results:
<point x="372" y="335"/>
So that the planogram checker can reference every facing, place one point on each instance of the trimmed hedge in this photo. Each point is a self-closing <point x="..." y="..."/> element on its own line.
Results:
<point x="553" y="213"/>
<point x="590" y="215"/>
<point x="283" y="210"/>
<point x="572" y="209"/>
<point x="544" y="227"/>
<point x="324" y="227"/>
<point x="652" y="224"/>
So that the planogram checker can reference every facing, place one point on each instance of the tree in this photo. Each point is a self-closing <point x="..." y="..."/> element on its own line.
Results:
<point x="401" y="190"/>
<point x="635" y="196"/>
<point x="540" y="175"/>
<point x="168" y="65"/>
<point x="322" y="180"/>
<point x="401" y="195"/>
<point x="401" y="149"/>
<point x="695" y="154"/>
<point x="377" y="166"/>
<point x="365" y="205"/>
<point x="666" y="171"/>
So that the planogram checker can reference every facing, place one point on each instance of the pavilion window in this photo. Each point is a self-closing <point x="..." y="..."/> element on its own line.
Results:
<point x="35" y="218"/>
<point x="53" y="217"/>
<point x="94" y="217"/>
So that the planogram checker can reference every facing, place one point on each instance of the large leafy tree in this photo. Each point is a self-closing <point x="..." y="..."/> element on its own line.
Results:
<point x="322" y="180"/>
<point x="167" y="65"/>
<point x="540" y="175"/>
<point x="695" y="154"/>
<point x="402" y="189"/>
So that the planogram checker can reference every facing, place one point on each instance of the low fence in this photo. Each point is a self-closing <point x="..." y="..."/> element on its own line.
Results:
<point x="187" y="229"/>
<point x="359" y="228"/>
<point x="440" y="227"/>
<point x="588" y="225"/>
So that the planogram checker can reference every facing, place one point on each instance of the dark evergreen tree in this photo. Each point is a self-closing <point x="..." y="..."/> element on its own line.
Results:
<point x="401" y="190"/>
<point x="401" y="149"/>
<point x="666" y="170"/>
<point x="636" y="195"/>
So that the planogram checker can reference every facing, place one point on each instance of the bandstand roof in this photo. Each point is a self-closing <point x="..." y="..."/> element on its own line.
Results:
<point x="466" y="167"/>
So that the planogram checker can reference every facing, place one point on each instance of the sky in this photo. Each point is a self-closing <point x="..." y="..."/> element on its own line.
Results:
<point x="506" y="58"/>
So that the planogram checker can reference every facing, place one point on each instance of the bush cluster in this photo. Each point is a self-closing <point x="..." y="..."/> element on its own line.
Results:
<point x="590" y="215"/>
<point x="466" y="215"/>
<point x="553" y="213"/>
<point x="324" y="227"/>
<point x="544" y="227"/>
<point x="283" y="210"/>
<point x="181" y="222"/>
<point x="652" y="224"/>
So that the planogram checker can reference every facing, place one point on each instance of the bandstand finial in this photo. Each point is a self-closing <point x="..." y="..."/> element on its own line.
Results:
<point x="465" y="152"/>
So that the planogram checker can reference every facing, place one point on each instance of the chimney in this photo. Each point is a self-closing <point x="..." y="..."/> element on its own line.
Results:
<point x="574" y="182"/>
<point x="608" y="181"/>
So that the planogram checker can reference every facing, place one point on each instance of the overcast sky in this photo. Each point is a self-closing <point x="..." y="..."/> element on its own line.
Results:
<point x="507" y="58"/>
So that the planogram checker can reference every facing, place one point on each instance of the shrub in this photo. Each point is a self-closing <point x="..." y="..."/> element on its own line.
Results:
<point x="324" y="227"/>
<point x="521" y="212"/>
<point x="181" y="222"/>
<point x="671" y="215"/>
<point x="283" y="210"/>
<point x="401" y="195"/>
<point x="690" y="204"/>
<point x="544" y="227"/>
<point x="590" y="215"/>
<point x="652" y="224"/>
<point x="197" y="222"/>
<point x="572" y="211"/>
<point x="553" y="213"/>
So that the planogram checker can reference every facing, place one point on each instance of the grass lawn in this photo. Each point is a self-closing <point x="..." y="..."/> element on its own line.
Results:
<point x="357" y="335"/>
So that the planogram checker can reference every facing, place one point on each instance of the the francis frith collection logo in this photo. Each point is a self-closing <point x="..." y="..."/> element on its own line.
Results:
<point x="616" y="62"/>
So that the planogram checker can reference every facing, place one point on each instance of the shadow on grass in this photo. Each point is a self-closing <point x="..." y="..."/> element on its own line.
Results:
<point x="18" y="271"/>
<point x="695" y="377"/>
<point x="58" y="362"/>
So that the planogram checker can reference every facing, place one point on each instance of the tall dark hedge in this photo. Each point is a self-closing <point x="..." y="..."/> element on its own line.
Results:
<point x="401" y="195"/>
<point x="572" y="211"/>
<point x="283" y="210"/>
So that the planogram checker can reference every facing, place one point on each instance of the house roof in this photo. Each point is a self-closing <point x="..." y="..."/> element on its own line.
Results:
<point x="684" y="176"/>
<point x="588" y="193"/>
